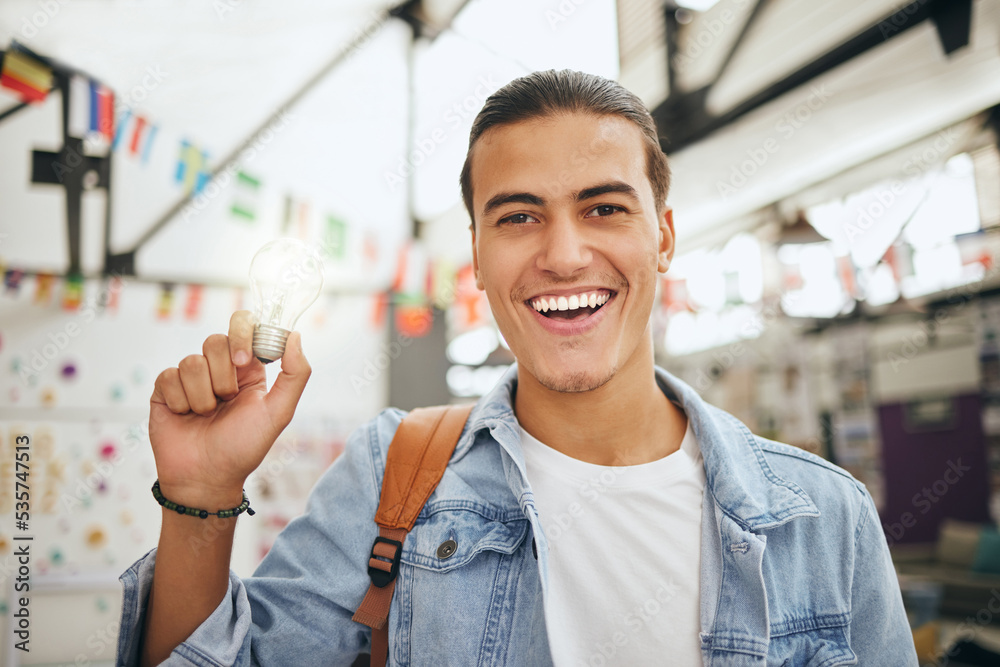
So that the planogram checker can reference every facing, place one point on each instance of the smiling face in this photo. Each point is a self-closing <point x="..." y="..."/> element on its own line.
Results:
<point x="567" y="244"/>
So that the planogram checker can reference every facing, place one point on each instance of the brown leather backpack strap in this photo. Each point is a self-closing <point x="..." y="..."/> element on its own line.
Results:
<point x="374" y="609"/>
<point x="417" y="458"/>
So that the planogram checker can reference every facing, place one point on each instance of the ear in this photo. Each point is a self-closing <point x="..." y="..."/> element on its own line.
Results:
<point x="666" y="245"/>
<point x="475" y="260"/>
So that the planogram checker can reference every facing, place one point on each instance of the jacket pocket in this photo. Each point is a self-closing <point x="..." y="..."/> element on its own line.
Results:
<point x="463" y="567"/>
<point x="811" y="642"/>
<point x="449" y="534"/>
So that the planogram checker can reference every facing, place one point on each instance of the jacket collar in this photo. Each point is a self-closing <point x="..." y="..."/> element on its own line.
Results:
<point x="737" y="473"/>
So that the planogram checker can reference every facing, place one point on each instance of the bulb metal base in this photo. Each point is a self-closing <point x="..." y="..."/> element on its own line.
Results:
<point x="269" y="342"/>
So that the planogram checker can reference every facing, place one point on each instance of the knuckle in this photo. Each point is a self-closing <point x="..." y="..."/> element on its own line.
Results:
<point x="215" y="342"/>
<point x="166" y="376"/>
<point x="192" y="362"/>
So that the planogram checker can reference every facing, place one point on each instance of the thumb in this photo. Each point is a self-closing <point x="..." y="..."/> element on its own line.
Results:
<point x="288" y="386"/>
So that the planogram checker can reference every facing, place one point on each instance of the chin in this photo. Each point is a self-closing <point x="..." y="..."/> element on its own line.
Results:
<point x="575" y="382"/>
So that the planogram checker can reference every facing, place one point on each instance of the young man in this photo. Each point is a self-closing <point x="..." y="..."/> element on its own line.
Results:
<point x="595" y="512"/>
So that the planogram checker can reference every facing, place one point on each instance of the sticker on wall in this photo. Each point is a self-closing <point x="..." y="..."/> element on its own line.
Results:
<point x="68" y="371"/>
<point x="138" y="375"/>
<point x="15" y="365"/>
<point x="126" y="517"/>
<point x="56" y="469"/>
<point x="101" y="603"/>
<point x="42" y="565"/>
<point x="56" y="556"/>
<point x="14" y="394"/>
<point x="3" y="607"/>
<point x="4" y="544"/>
<point x="108" y="450"/>
<point x="117" y="392"/>
<point x="48" y="397"/>
<point x="95" y="537"/>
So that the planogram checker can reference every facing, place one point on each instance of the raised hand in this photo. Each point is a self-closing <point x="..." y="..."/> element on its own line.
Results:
<point x="212" y="420"/>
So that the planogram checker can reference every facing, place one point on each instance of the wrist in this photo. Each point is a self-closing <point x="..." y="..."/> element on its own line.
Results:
<point x="202" y="497"/>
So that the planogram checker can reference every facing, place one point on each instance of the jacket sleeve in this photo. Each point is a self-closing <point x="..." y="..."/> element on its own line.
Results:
<point x="297" y="607"/>
<point x="880" y="631"/>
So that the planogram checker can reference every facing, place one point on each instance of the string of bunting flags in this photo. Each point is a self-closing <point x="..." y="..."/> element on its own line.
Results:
<point x="96" y="114"/>
<point x="420" y="283"/>
<point x="71" y="296"/>
<point x="439" y="285"/>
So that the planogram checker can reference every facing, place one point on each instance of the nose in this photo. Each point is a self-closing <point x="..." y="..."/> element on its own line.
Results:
<point x="565" y="247"/>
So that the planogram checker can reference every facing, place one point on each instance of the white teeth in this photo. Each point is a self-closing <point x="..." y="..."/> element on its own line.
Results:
<point x="591" y="300"/>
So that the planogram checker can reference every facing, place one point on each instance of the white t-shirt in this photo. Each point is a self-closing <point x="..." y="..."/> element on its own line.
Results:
<point x="625" y="555"/>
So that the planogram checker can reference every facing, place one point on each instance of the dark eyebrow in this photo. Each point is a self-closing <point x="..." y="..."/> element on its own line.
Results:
<point x="603" y="189"/>
<point x="499" y="200"/>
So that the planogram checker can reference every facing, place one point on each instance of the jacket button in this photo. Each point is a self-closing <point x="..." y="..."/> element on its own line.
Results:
<point x="447" y="549"/>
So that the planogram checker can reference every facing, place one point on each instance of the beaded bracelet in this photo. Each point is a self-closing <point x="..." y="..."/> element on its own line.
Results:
<point x="203" y="514"/>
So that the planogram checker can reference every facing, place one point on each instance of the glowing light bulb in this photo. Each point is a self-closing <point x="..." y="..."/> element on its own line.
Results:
<point x="286" y="276"/>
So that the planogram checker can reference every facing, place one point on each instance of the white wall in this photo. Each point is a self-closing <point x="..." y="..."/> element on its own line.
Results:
<point x="123" y="352"/>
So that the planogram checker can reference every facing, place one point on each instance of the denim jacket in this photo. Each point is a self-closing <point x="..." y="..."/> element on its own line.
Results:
<point x="795" y="569"/>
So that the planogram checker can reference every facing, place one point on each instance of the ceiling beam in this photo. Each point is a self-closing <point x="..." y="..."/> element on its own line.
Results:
<point x="683" y="118"/>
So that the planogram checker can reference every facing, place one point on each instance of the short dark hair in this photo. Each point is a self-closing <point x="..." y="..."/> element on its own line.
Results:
<point x="546" y="93"/>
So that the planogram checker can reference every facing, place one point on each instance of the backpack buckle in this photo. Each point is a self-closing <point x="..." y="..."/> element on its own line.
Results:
<point x="381" y="558"/>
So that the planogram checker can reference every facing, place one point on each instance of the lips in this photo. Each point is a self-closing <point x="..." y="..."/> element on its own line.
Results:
<point x="571" y="311"/>
<point x="584" y="300"/>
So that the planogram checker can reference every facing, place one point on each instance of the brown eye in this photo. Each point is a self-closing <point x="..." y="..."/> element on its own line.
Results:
<point x="604" y="210"/>
<point x="516" y="219"/>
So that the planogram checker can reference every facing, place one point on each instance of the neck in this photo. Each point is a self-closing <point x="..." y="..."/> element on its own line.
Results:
<point x="626" y="421"/>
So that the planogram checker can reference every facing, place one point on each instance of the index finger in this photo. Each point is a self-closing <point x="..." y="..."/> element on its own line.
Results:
<point x="241" y="327"/>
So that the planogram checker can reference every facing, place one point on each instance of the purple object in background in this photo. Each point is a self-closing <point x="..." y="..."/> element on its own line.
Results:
<point x="934" y="459"/>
